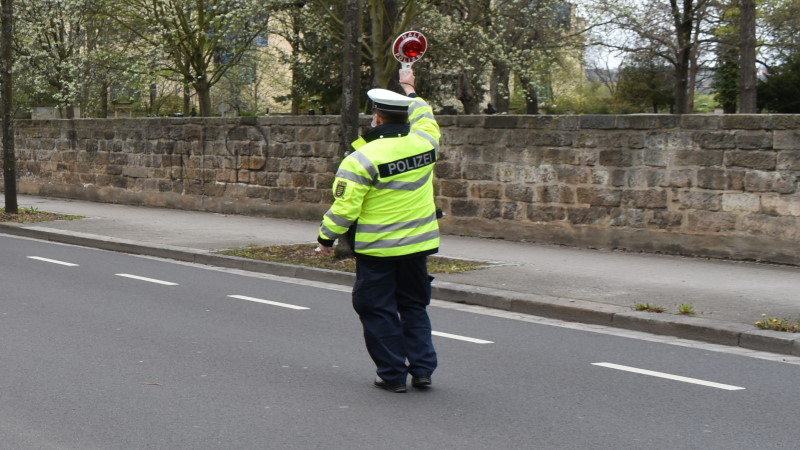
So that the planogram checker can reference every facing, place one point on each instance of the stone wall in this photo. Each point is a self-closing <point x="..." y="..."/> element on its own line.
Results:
<point x="699" y="185"/>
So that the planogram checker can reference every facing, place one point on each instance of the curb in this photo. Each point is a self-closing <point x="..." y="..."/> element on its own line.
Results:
<point x="694" y="328"/>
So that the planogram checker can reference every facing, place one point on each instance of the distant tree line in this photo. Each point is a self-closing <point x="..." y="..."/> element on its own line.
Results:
<point x="167" y="56"/>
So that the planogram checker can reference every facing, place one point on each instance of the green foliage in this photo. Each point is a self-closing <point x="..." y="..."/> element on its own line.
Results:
<point x="647" y="307"/>
<point x="593" y="98"/>
<point x="645" y="86"/>
<point x="686" y="309"/>
<point x="726" y="85"/>
<point x="305" y="255"/>
<point x="778" y="324"/>
<point x="780" y="92"/>
<point x="32" y="214"/>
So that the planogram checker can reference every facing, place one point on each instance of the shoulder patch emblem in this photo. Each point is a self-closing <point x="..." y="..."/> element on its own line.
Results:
<point x="340" y="187"/>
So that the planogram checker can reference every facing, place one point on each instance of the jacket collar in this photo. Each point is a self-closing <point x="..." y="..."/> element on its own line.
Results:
<point x="387" y="130"/>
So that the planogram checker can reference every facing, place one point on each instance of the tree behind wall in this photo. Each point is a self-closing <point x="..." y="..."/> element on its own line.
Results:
<point x="780" y="92"/>
<point x="200" y="40"/>
<point x="646" y="86"/>
<point x="9" y="157"/>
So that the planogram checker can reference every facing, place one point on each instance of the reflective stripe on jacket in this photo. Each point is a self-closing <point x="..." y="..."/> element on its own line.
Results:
<point x="385" y="188"/>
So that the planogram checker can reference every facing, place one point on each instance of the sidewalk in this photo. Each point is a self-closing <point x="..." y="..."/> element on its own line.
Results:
<point x="581" y="285"/>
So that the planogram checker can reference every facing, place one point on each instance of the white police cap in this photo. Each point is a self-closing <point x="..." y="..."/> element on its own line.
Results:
<point x="386" y="100"/>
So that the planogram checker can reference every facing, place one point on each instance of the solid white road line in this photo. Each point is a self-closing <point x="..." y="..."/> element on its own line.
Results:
<point x="149" y="280"/>
<point x="460" y="338"/>
<point x="54" y="261"/>
<point x="651" y="373"/>
<point x="267" y="302"/>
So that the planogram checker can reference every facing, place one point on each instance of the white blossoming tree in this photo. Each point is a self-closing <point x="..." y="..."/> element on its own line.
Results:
<point x="199" y="40"/>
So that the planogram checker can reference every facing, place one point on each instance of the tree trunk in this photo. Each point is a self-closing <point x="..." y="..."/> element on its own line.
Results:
<point x="501" y="99"/>
<point x="747" y="66"/>
<point x="187" y="99"/>
<point x="683" y="31"/>
<point x="295" y="91"/>
<point x="102" y="99"/>
<point x="382" y="13"/>
<point x="465" y="93"/>
<point x="203" y="90"/>
<point x="531" y="96"/>
<point x="351" y="73"/>
<point x="351" y="86"/>
<point x="9" y="157"/>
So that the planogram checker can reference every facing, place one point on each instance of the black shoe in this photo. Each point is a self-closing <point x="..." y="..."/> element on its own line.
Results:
<point x="421" y="382"/>
<point x="398" y="388"/>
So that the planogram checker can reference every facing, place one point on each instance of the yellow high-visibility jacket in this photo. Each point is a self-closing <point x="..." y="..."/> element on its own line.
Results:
<point x="385" y="189"/>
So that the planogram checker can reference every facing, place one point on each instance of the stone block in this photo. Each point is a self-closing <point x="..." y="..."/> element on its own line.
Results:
<point x="753" y="140"/>
<point x="557" y="193"/>
<point x="135" y="172"/>
<point x="665" y="220"/>
<point x="567" y="122"/>
<point x="741" y="202"/>
<point x="507" y="173"/>
<point x="787" y="228"/>
<point x="780" y="205"/>
<point x="597" y="196"/>
<point x="310" y="196"/>
<point x="282" y="195"/>
<point x="639" y="121"/>
<point x="519" y="192"/>
<point x="711" y="222"/>
<point x="715" y="140"/>
<point x="786" y="140"/>
<point x="471" y="121"/>
<point x="463" y="208"/>
<point x="706" y="201"/>
<point x="700" y="122"/>
<point x="745" y="121"/>
<point x="484" y="190"/>
<point x="649" y="199"/>
<point x="479" y="171"/>
<point x="551" y="139"/>
<point x="678" y="178"/>
<point x="783" y="121"/>
<point x="556" y="156"/>
<point x="569" y="174"/>
<point x="627" y="217"/>
<point x="589" y="216"/>
<point x="789" y="160"/>
<point x="502" y="121"/>
<point x="537" y="122"/>
<point x="645" y="177"/>
<point x="598" y="121"/>
<point x="704" y="158"/>
<point x="616" y="158"/>
<point x="761" y="181"/>
<point x="454" y="188"/>
<point x="712" y="178"/>
<point x="766" y="160"/>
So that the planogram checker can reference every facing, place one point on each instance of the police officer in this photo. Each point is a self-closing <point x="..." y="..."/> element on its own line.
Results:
<point x="383" y="200"/>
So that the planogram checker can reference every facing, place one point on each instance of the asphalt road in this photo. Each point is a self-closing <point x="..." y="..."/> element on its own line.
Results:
<point x="124" y="352"/>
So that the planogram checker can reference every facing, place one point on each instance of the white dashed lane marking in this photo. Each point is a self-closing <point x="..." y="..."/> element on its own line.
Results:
<point x="668" y="376"/>
<point x="461" y="338"/>
<point x="53" y="261"/>
<point x="267" y="302"/>
<point x="149" y="280"/>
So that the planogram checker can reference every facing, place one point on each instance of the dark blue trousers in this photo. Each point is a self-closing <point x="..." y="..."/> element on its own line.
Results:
<point x="390" y="297"/>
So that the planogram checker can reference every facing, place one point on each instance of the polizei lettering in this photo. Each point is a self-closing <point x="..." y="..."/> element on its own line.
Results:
<point x="407" y="164"/>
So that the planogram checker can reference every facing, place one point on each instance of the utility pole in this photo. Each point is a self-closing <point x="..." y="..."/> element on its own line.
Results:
<point x="9" y="159"/>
